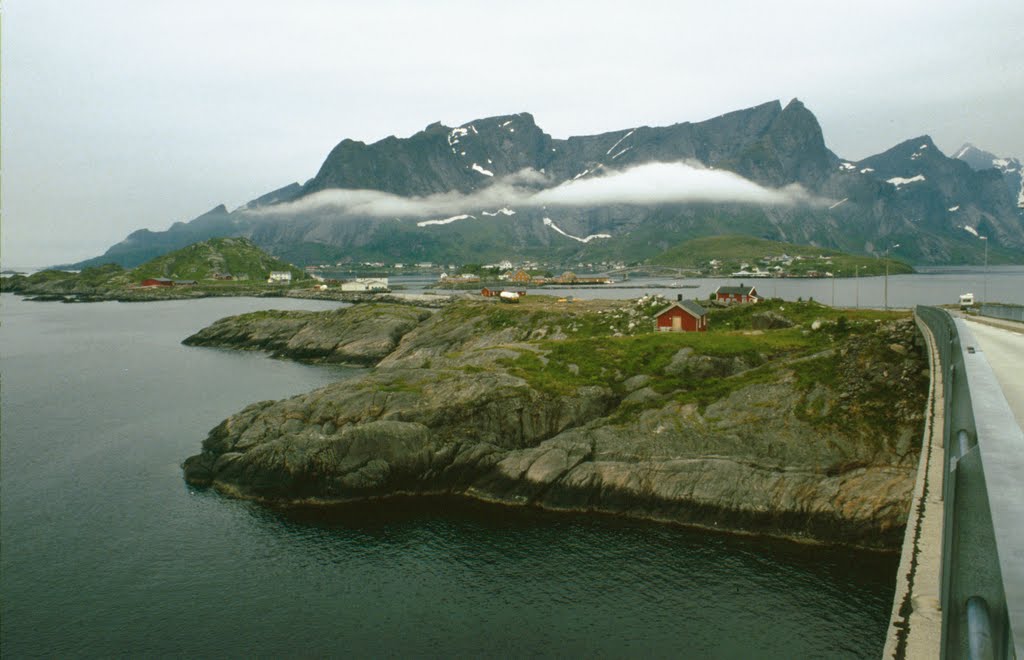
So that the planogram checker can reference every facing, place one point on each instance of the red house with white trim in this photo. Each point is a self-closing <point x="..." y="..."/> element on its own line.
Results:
<point x="157" y="281"/>
<point x="737" y="294"/>
<point x="682" y="316"/>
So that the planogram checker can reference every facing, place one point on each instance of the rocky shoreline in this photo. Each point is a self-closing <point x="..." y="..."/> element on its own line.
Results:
<point x="798" y="432"/>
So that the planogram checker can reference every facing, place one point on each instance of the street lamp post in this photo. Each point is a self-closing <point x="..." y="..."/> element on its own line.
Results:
<point x="886" y="294"/>
<point x="984" y="285"/>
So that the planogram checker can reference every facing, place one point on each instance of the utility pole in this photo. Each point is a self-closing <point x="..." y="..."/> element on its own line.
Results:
<point x="886" y="294"/>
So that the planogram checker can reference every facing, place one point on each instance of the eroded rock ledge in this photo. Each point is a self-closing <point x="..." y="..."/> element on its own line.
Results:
<point x="363" y="334"/>
<point x="817" y="439"/>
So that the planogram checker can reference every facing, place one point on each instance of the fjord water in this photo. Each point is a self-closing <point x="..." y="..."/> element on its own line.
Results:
<point x="106" y="551"/>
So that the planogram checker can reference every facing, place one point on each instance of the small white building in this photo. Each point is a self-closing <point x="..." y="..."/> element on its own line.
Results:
<point x="279" y="277"/>
<point x="966" y="299"/>
<point x="366" y="284"/>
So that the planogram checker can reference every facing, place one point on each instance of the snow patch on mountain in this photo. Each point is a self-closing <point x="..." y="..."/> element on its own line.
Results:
<point x="899" y="181"/>
<point x="953" y="208"/>
<point x="481" y="170"/>
<point x="455" y="134"/>
<point x="501" y="211"/>
<point x="445" y="221"/>
<point x="617" y="143"/>
<point x="549" y="223"/>
<point x="838" y="203"/>
<point x="971" y="230"/>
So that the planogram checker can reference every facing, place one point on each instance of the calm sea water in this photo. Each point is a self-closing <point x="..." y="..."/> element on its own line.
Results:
<point x="106" y="551"/>
<point x="933" y="285"/>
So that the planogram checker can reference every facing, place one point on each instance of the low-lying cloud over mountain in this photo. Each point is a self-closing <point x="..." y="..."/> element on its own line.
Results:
<point x="648" y="183"/>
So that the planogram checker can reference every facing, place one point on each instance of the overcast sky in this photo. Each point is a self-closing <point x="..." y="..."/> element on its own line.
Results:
<point x="124" y="114"/>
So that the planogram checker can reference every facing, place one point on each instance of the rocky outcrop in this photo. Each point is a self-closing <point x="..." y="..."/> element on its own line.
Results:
<point x="362" y="335"/>
<point x="819" y="446"/>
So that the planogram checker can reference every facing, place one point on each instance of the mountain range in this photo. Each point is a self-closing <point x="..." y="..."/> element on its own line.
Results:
<point x="501" y="188"/>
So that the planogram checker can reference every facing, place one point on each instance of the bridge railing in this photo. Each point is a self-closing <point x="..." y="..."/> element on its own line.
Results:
<point x="982" y="586"/>
<point x="1000" y="311"/>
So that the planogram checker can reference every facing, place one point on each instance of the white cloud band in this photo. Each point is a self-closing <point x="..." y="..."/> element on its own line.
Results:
<point x="650" y="183"/>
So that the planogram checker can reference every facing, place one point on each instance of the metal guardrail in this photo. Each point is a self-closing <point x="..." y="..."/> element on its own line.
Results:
<point x="1008" y="312"/>
<point x="982" y="586"/>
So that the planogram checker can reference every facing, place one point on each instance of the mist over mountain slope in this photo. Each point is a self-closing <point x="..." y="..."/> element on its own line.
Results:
<point x="500" y="187"/>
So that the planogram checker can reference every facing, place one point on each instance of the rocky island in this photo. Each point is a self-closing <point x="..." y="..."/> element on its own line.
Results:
<point x="789" y="419"/>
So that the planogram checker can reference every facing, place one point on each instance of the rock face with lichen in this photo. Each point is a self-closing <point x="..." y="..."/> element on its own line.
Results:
<point x="819" y="443"/>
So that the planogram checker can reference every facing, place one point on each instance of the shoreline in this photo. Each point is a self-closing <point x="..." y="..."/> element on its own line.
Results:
<point x="428" y="499"/>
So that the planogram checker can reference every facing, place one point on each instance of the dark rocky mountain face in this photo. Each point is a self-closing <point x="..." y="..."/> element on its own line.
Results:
<point x="945" y="195"/>
<point x="1010" y="168"/>
<point x="912" y="194"/>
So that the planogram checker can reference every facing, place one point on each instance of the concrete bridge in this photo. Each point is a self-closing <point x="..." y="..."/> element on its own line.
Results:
<point x="960" y="584"/>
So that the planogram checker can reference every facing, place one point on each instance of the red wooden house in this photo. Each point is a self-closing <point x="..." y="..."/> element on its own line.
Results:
<point x="737" y="294"/>
<point x="682" y="316"/>
<point x="157" y="281"/>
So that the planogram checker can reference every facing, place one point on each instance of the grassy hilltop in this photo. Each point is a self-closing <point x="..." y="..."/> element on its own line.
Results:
<point x="199" y="261"/>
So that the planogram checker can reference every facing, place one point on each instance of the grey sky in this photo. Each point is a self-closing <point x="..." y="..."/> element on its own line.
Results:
<point x="119" y="115"/>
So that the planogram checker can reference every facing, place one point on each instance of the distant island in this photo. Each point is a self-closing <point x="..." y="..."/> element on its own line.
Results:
<point x="747" y="256"/>
<point x="237" y="267"/>
<point x="216" y="267"/>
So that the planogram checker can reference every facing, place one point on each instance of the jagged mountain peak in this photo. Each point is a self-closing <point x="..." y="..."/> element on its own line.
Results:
<point x="1011" y="169"/>
<point x="916" y="156"/>
<point x="794" y="104"/>
<point x="968" y="152"/>
<point x="912" y="192"/>
<point x="979" y="159"/>
<point x="521" y="119"/>
<point x="921" y="144"/>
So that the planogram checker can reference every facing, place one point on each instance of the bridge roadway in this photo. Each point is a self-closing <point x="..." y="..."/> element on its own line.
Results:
<point x="1002" y="343"/>
<point x="960" y="585"/>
